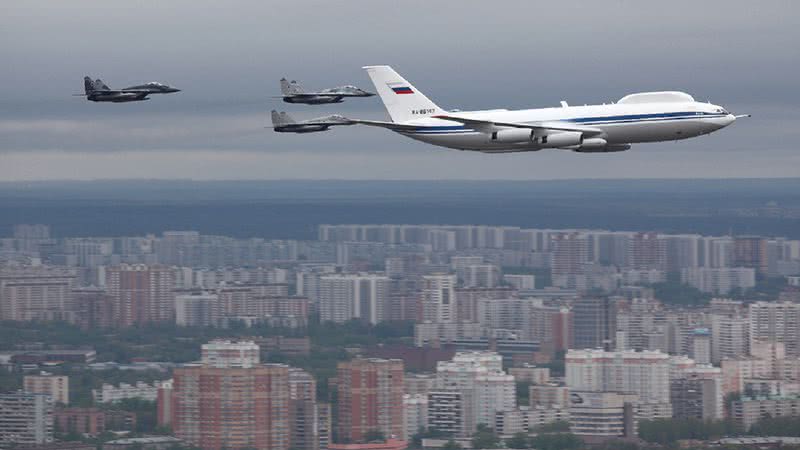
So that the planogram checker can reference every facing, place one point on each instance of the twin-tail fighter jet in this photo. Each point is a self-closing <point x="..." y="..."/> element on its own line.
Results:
<point x="613" y="127"/>
<point x="97" y="91"/>
<point x="284" y="123"/>
<point x="293" y="93"/>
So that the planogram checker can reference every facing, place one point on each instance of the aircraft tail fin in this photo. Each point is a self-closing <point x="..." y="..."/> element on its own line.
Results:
<point x="402" y="100"/>
<point x="100" y="86"/>
<point x="281" y="118"/>
<point x="290" y="88"/>
<point x="88" y="85"/>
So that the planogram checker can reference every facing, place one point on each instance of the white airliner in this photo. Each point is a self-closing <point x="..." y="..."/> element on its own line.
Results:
<point x="635" y="118"/>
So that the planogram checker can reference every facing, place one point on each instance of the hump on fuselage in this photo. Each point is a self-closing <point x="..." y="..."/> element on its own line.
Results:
<point x="657" y="97"/>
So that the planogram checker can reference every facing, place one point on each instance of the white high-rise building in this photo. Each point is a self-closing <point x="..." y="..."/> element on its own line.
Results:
<point x="25" y="418"/>
<point x="643" y="373"/>
<point x="108" y="393"/>
<point x="683" y="251"/>
<point x="484" y="387"/>
<point x="479" y="275"/>
<point x="729" y="336"/>
<point x="701" y="346"/>
<point x="353" y="296"/>
<point x="438" y="298"/>
<point x="639" y="319"/>
<point x="230" y="354"/>
<point x="308" y="279"/>
<point x="514" y="314"/>
<point x="36" y="293"/>
<point x="776" y="322"/>
<point x="415" y="408"/>
<point x="716" y="252"/>
<point x="719" y="280"/>
<point x="197" y="310"/>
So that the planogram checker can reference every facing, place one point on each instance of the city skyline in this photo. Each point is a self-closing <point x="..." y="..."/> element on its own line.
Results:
<point x="394" y="336"/>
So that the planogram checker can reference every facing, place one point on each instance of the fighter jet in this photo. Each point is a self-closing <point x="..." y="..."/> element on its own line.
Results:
<point x="284" y="123"/>
<point x="293" y="93"/>
<point x="97" y="91"/>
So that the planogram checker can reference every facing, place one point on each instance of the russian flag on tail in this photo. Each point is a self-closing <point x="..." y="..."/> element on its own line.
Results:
<point x="400" y="88"/>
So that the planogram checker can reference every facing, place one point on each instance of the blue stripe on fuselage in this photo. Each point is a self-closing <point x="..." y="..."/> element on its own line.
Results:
<point x="601" y="120"/>
<point x="635" y="117"/>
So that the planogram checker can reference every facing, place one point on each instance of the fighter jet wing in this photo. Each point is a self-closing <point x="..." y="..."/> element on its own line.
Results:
<point x="312" y="94"/>
<point x="335" y="94"/>
<point x="333" y="119"/>
<point x="488" y="126"/>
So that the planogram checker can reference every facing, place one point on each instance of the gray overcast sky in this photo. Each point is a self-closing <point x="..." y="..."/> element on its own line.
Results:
<point x="228" y="57"/>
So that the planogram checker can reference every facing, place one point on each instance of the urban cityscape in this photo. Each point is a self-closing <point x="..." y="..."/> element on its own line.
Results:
<point x="396" y="336"/>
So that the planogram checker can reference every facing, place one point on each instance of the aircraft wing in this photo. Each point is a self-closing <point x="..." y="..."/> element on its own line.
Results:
<point x="313" y="94"/>
<point x="333" y="94"/>
<point x="319" y="94"/>
<point x="327" y="120"/>
<point x="388" y="125"/>
<point x="488" y="126"/>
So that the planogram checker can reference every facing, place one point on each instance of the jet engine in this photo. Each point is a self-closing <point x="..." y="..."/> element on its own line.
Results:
<point x="558" y="140"/>
<point x="599" y="145"/>
<point x="525" y="135"/>
<point x="514" y="135"/>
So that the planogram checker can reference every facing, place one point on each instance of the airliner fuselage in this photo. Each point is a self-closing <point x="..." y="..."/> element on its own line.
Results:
<point x="635" y="118"/>
<point x="621" y="123"/>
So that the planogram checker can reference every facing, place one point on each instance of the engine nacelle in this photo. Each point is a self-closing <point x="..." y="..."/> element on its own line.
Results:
<point x="559" y="140"/>
<point x="593" y="144"/>
<point x="512" y="136"/>
<point x="599" y="145"/>
<point x="565" y="139"/>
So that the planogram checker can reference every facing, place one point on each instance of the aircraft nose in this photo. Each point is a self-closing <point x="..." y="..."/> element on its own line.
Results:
<point x="729" y="119"/>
